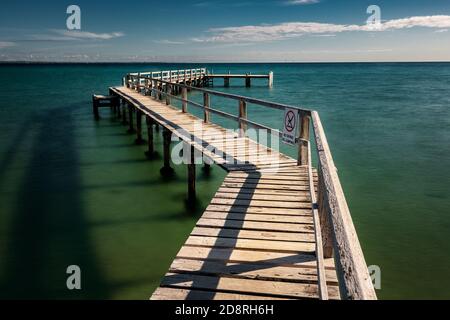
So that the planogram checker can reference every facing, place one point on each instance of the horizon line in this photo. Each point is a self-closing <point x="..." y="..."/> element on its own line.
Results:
<point x="216" y="62"/>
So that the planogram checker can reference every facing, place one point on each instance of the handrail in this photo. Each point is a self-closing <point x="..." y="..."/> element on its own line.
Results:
<point x="353" y="275"/>
<point x="337" y="232"/>
<point x="264" y="103"/>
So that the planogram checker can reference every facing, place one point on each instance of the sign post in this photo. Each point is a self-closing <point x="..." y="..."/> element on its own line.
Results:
<point x="290" y="126"/>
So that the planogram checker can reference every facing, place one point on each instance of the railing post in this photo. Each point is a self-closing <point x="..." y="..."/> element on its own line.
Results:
<point x="138" y="85"/>
<point x="159" y="86"/>
<point x="184" y="103"/>
<point x="325" y="226"/>
<point x="270" y="79"/>
<point x="242" y="116"/>
<point x="206" y="104"/>
<point x="168" y="93"/>
<point x="303" y="140"/>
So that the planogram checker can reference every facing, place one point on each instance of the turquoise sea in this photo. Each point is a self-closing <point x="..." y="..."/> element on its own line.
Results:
<point x="74" y="191"/>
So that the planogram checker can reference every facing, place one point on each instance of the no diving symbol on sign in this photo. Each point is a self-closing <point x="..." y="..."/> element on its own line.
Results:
<point x="290" y="121"/>
<point x="290" y="126"/>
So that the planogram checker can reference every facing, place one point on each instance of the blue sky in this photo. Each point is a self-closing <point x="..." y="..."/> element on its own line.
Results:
<point x="229" y="31"/>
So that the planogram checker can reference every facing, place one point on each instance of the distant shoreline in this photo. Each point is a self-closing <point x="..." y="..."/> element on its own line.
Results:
<point x="209" y="63"/>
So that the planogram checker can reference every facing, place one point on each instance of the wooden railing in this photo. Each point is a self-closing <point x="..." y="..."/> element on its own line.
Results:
<point x="336" y="235"/>
<point x="170" y="76"/>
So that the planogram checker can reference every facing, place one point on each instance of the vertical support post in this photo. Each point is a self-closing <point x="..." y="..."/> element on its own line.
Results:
<point x="191" y="176"/>
<point x="159" y="86"/>
<point x="167" y="137"/>
<point x="206" y="104"/>
<point x="303" y="140"/>
<point x="124" y="113"/>
<point x="119" y="107"/>
<point x="226" y="82"/>
<point x="151" y="147"/>
<point x="270" y="79"/>
<point x="168" y="92"/>
<point x="242" y="115"/>
<point x="95" y="107"/>
<point x="248" y="81"/>
<point x="139" y="139"/>
<point x="151" y="88"/>
<point x="325" y="226"/>
<point x="130" y="118"/>
<point x="184" y="103"/>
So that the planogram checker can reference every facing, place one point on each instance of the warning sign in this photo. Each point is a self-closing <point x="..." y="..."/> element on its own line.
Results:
<point x="290" y="126"/>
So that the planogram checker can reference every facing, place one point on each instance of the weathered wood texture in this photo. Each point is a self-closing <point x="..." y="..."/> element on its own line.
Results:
<point x="262" y="234"/>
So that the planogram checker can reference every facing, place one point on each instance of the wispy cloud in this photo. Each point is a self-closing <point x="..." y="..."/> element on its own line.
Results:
<point x="85" y="35"/>
<point x="70" y="35"/>
<point x="6" y="44"/>
<point x="261" y="33"/>
<point x="169" y="42"/>
<point x="301" y="2"/>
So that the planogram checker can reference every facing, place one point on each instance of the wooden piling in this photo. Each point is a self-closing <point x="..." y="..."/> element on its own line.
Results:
<point x="226" y="82"/>
<point x="191" y="176"/>
<point x="270" y="79"/>
<point x="167" y="137"/>
<point x="130" y="119"/>
<point x="151" y="147"/>
<point x="139" y="139"/>
<point x="248" y="81"/>
<point x="95" y="111"/>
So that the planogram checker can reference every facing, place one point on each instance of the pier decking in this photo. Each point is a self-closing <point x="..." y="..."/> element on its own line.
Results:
<point x="277" y="228"/>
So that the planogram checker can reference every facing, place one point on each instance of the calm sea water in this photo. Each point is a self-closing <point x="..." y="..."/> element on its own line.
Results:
<point x="73" y="191"/>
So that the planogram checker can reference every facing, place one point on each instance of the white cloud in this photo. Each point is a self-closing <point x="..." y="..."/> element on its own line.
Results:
<point x="165" y="41"/>
<point x="6" y="44"/>
<point x="289" y="30"/>
<point x="85" y="35"/>
<point x="301" y="2"/>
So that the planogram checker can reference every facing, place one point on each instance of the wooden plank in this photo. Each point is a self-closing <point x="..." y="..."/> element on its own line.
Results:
<point x="260" y="191"/>
<point x="280" y="246"/>
<point x="273" y="198"/>
<point x="267" y="226"/>
<point x="253" y="234"/>
<point x="249" y="271"/>
<point x="262" y="186"/>
<point x="259" y="210"/>
<point x="247" y="286"/>
<point x="262" y="203"/>
<point x="184" y="294"/>
<point x="257" y="217"/>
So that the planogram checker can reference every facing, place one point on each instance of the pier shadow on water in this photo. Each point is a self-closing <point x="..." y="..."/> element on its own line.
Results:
<point x="48" y="225"/>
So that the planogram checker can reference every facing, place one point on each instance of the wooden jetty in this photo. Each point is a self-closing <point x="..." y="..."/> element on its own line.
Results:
<point x="277" y="228"/>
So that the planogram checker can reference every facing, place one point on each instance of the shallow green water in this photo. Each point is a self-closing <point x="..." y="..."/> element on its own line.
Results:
<point x="73" y="191"/>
